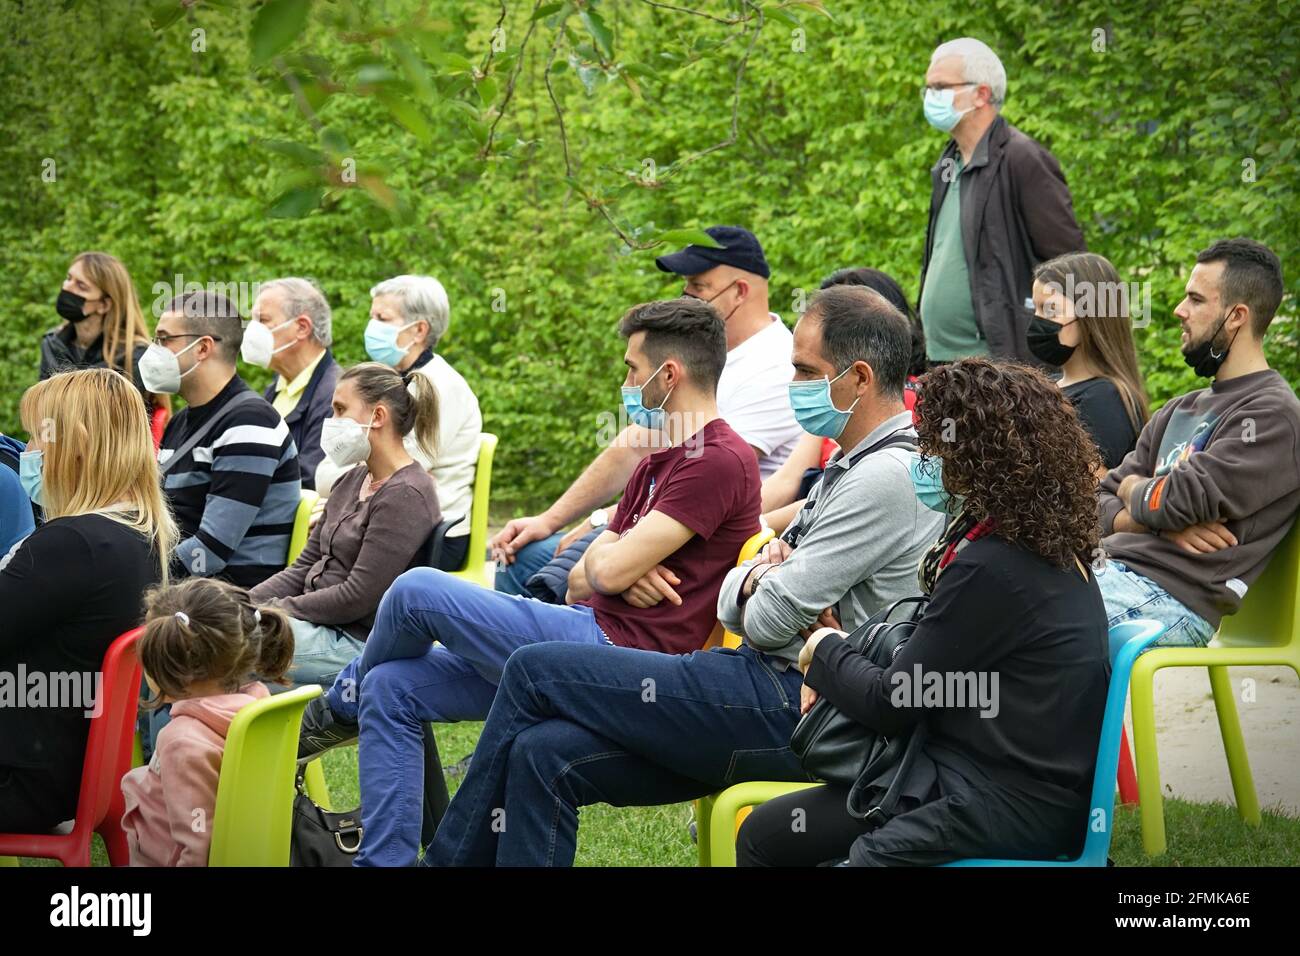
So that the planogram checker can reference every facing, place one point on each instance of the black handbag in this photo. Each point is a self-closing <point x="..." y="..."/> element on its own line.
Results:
<point x="836" y="748"/>
<point x="321" y="837"/>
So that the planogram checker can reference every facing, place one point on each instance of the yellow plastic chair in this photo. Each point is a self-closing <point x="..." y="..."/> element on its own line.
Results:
<point x="475" y="568"/>
<point x="253" y="817"/>
<point x="298" y="539"/>
<point x="718" y="817"/>
<point x="1264" y="632"/>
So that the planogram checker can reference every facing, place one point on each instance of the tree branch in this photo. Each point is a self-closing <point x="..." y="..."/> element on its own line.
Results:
<point x="510" y="84"/>
<point x="695" y="13"/>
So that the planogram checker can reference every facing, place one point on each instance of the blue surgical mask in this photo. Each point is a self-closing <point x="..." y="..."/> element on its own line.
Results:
<point x="637" y="413"/>
<point x="927" y="480"/>
<point x="31" y="472"/>
<point x="939" y="111"/>
<point x="815" y="411"/>
<point x="381" y="342"/>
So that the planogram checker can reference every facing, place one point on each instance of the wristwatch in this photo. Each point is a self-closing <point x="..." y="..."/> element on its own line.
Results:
<point x="599" y="518"/>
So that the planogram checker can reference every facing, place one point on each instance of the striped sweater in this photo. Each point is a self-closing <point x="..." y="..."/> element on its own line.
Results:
<point x="235" y="493"/>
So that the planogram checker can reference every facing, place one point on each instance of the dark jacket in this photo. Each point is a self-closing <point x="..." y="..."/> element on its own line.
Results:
<point x="314" y="406"/>
<point x="1016" y="212"/>
<point x="58" y="355"/>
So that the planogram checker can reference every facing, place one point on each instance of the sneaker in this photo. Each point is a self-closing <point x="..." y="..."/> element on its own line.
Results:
<point x="322" y="731"/>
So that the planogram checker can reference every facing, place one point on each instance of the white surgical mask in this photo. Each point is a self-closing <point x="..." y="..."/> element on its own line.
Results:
<point x="160" y="368"/>
<point x="259" y="343"/>
<point x="345" y="441"/>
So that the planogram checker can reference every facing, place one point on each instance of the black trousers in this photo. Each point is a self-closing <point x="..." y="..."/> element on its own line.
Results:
<point x="33" y="800"/>
<point x="813" y="827"/>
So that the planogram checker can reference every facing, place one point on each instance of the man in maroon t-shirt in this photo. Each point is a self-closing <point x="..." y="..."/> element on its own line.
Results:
<point x="649" y="581"/>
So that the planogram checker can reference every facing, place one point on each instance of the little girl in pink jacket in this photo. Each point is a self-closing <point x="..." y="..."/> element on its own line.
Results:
<point x="203" y="643"/>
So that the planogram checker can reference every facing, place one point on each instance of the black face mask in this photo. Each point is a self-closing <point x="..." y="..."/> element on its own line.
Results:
<point x="69" y="306"/>
<point x="1203" y="359"/>
<point x="1044" y="340"/>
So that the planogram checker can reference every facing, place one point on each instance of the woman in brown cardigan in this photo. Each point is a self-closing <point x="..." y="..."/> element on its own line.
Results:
<point x="376" y="519"/>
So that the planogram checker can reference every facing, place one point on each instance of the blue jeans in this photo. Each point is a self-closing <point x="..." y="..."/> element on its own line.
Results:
<point x="530" y="559"/>
<point x="572" y="726"/>
<point x="1128" y="595"/>
<point x="319" y="653"/>
<point x="401" y="681"/>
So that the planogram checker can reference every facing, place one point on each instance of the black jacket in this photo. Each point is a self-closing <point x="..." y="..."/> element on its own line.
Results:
<point x="59" y="354"/>
<point x="315" y="405"/>
<point x="1016" y="212"/>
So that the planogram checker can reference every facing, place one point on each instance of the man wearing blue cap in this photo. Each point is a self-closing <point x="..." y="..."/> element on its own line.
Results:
<point x="751" y="398"/>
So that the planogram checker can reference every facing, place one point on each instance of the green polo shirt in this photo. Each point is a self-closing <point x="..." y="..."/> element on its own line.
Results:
<point x="947" y="312"/>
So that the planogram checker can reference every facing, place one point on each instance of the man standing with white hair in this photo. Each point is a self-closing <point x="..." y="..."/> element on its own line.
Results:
<point x="998" y="207"/>
<point x="290" y="334"/>
<point x="409" y="315"/>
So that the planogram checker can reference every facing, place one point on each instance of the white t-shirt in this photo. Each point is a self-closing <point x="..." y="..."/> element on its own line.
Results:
<point x="753" y="398"/>
<point x="459" y="426"/>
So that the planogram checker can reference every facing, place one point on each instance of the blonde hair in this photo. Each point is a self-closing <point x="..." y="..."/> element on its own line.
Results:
<point x="124" y="322"/>
<point x="99" y="453"/>
<point x="411" y="400"/>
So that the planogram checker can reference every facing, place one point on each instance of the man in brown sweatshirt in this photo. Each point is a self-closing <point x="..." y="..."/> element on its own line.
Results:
<point x="1193" y="513"/>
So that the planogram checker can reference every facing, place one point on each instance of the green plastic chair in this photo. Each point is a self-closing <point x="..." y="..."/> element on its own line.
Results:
<point x="715" y="816"/>
<point x="1264" y="632"/>
<point x="298" y="537"/>
<point x="253" y="816"/>
<point x="475" y="568"/>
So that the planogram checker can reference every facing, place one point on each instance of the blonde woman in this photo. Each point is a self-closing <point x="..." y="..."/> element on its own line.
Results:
<point x="103" y="326"/>
<point x="77" y="582"/>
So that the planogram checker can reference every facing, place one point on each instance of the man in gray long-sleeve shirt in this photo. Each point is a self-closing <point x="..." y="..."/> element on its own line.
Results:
<point x="1196" y="509"/>
<point x="863" y="532"/>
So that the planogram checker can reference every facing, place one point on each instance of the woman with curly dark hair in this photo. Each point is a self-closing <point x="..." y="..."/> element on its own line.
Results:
<point x="1014" y="613"/>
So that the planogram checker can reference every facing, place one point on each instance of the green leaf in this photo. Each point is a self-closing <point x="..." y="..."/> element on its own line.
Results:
<point x="334" y="142"/>
<point x="452" y="62"/>
<point x="375" y="74"/>
<point x="487" y="90"/>
<point x="599" y="32"/>
<point x="408" y="114"/>
<point x="162" y="13"/>
<point x="545" y="10"/>
<point x="277" y="24"/>
<point x="296" y="203"/>
<point x="414" y="68"/>
<point x="686" y="237"/>
<point x="301" y="154"/>
<point x="784" y="15"/>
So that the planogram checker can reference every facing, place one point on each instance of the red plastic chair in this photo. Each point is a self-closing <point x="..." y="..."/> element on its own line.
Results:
<point x="1128" y="781"/>
<point x="158" y="424"/>
<point x="108" y="757"/>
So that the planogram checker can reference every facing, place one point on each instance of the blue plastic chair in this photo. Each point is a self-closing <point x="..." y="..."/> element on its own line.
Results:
<point x="1127" y="641"/>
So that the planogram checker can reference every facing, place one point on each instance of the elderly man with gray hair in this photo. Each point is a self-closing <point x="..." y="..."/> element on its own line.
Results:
<point x="999" y="206"/>
<point x="409" y="315"/>
<point x="290" y="334"/>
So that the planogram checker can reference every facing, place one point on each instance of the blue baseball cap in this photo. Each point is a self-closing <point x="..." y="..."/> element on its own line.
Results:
<point x="740" y="250"/>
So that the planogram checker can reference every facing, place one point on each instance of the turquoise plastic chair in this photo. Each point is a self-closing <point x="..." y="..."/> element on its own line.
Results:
<point x="253" y="817"/>
<point x="1127" y="641"/>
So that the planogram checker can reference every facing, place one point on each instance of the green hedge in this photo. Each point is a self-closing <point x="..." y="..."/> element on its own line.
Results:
<point x="159" y="159"/>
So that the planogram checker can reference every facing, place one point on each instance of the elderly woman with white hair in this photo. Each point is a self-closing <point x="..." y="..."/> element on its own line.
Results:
<point x="409" y="315"/>
<point x="999" y="206"/>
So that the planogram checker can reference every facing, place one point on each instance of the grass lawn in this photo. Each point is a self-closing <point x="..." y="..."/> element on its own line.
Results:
<point x="1199" y="834"/>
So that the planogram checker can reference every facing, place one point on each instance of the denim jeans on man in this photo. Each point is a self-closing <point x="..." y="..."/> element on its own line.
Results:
<point x="531" y="558"/>
<point x="1129" y="595"/>
<point x="573" y="726"/>
<point x="401" y="681"/>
